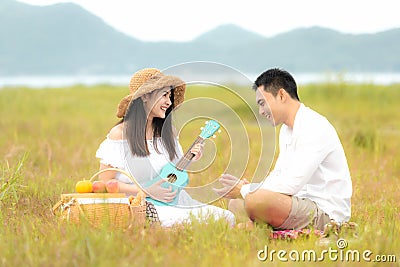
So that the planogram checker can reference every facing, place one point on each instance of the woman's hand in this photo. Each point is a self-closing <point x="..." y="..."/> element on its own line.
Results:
<point x="197" y="151"/>
<point x="160" y="193"/>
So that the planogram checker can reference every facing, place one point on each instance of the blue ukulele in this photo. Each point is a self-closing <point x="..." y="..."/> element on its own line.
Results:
<point x="175" y="174"/>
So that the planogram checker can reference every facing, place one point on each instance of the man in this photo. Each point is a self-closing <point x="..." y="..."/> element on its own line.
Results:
<point x="310" y="184"/>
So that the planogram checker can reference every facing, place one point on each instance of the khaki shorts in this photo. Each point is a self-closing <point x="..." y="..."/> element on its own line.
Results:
<point x="305" y="213"/>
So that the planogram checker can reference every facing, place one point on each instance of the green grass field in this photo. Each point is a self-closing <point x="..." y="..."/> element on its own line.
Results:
<point x="48" y="140"/>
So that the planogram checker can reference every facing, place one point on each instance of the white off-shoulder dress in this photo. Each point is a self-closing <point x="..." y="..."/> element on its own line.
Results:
<point x="116" y="153"/>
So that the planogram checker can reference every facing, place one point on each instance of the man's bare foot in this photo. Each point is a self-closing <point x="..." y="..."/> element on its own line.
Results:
<point x="247" y="225"/>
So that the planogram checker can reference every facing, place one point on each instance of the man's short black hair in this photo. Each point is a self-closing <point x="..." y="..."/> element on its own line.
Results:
<point x="275" y="79"/>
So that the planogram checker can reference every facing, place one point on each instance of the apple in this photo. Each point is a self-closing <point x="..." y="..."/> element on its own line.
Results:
<point x="99" y="187"/>
<point x="112" y="187"/>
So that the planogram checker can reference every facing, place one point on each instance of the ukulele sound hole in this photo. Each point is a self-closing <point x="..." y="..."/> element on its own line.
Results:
<point x="172" y="178"/>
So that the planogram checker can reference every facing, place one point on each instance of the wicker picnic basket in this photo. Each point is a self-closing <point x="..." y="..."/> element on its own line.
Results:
<point x="113" y="209"/>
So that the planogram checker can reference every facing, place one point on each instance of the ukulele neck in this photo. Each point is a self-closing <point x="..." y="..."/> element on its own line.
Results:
<point x="187" y="158"/>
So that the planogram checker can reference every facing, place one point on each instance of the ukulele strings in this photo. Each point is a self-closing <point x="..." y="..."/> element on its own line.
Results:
<point x="186" y="159"/>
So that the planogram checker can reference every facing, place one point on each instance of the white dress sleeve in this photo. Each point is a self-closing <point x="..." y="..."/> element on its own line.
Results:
<point x="111" y="152"/>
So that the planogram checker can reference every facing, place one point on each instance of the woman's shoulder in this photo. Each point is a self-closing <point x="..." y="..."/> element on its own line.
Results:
<point x="116" y="133"/>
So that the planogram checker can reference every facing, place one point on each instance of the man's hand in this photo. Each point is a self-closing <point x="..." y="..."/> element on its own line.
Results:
<point x="232" y="186"/>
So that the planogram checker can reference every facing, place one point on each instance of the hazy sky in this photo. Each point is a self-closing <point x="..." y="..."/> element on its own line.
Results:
<point x="181" y="20"/>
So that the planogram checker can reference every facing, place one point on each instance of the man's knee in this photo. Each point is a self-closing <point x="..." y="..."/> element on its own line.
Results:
<point x="257" y="202"/>
<point x="267" y="206"/>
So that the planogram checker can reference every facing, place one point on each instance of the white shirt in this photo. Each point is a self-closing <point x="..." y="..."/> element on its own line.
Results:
<point x="312" y="164"/>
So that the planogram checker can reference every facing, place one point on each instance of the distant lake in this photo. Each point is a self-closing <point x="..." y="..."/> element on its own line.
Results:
<point x="123" y="80"/>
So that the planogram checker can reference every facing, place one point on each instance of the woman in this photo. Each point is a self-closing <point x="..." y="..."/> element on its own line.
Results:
<point x="144" y="141"/>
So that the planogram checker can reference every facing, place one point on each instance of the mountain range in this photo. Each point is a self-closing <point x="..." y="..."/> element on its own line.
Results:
<point x="66" y="39"/>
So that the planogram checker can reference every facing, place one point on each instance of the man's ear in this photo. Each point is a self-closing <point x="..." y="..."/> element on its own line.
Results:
<point x="282" y="94"/>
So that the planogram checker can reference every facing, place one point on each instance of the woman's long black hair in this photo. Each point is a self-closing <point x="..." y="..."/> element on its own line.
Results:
<point x="135" y="121"/>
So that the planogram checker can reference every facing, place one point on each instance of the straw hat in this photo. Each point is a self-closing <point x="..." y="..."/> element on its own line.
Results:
<point x="147" y="80"/>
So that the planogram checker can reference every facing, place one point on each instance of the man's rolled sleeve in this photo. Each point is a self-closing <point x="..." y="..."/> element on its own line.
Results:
<point x="245" y="190"/>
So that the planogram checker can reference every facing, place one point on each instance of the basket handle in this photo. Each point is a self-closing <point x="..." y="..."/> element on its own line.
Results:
<point x="118" y="170"/>
<point x="56" y="206"/>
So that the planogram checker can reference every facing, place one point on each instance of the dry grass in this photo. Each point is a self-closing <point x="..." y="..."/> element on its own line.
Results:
<point x="48" y="140"/>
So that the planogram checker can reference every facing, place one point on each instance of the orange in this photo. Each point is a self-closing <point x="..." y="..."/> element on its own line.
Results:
<point x="84" y="186"/>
